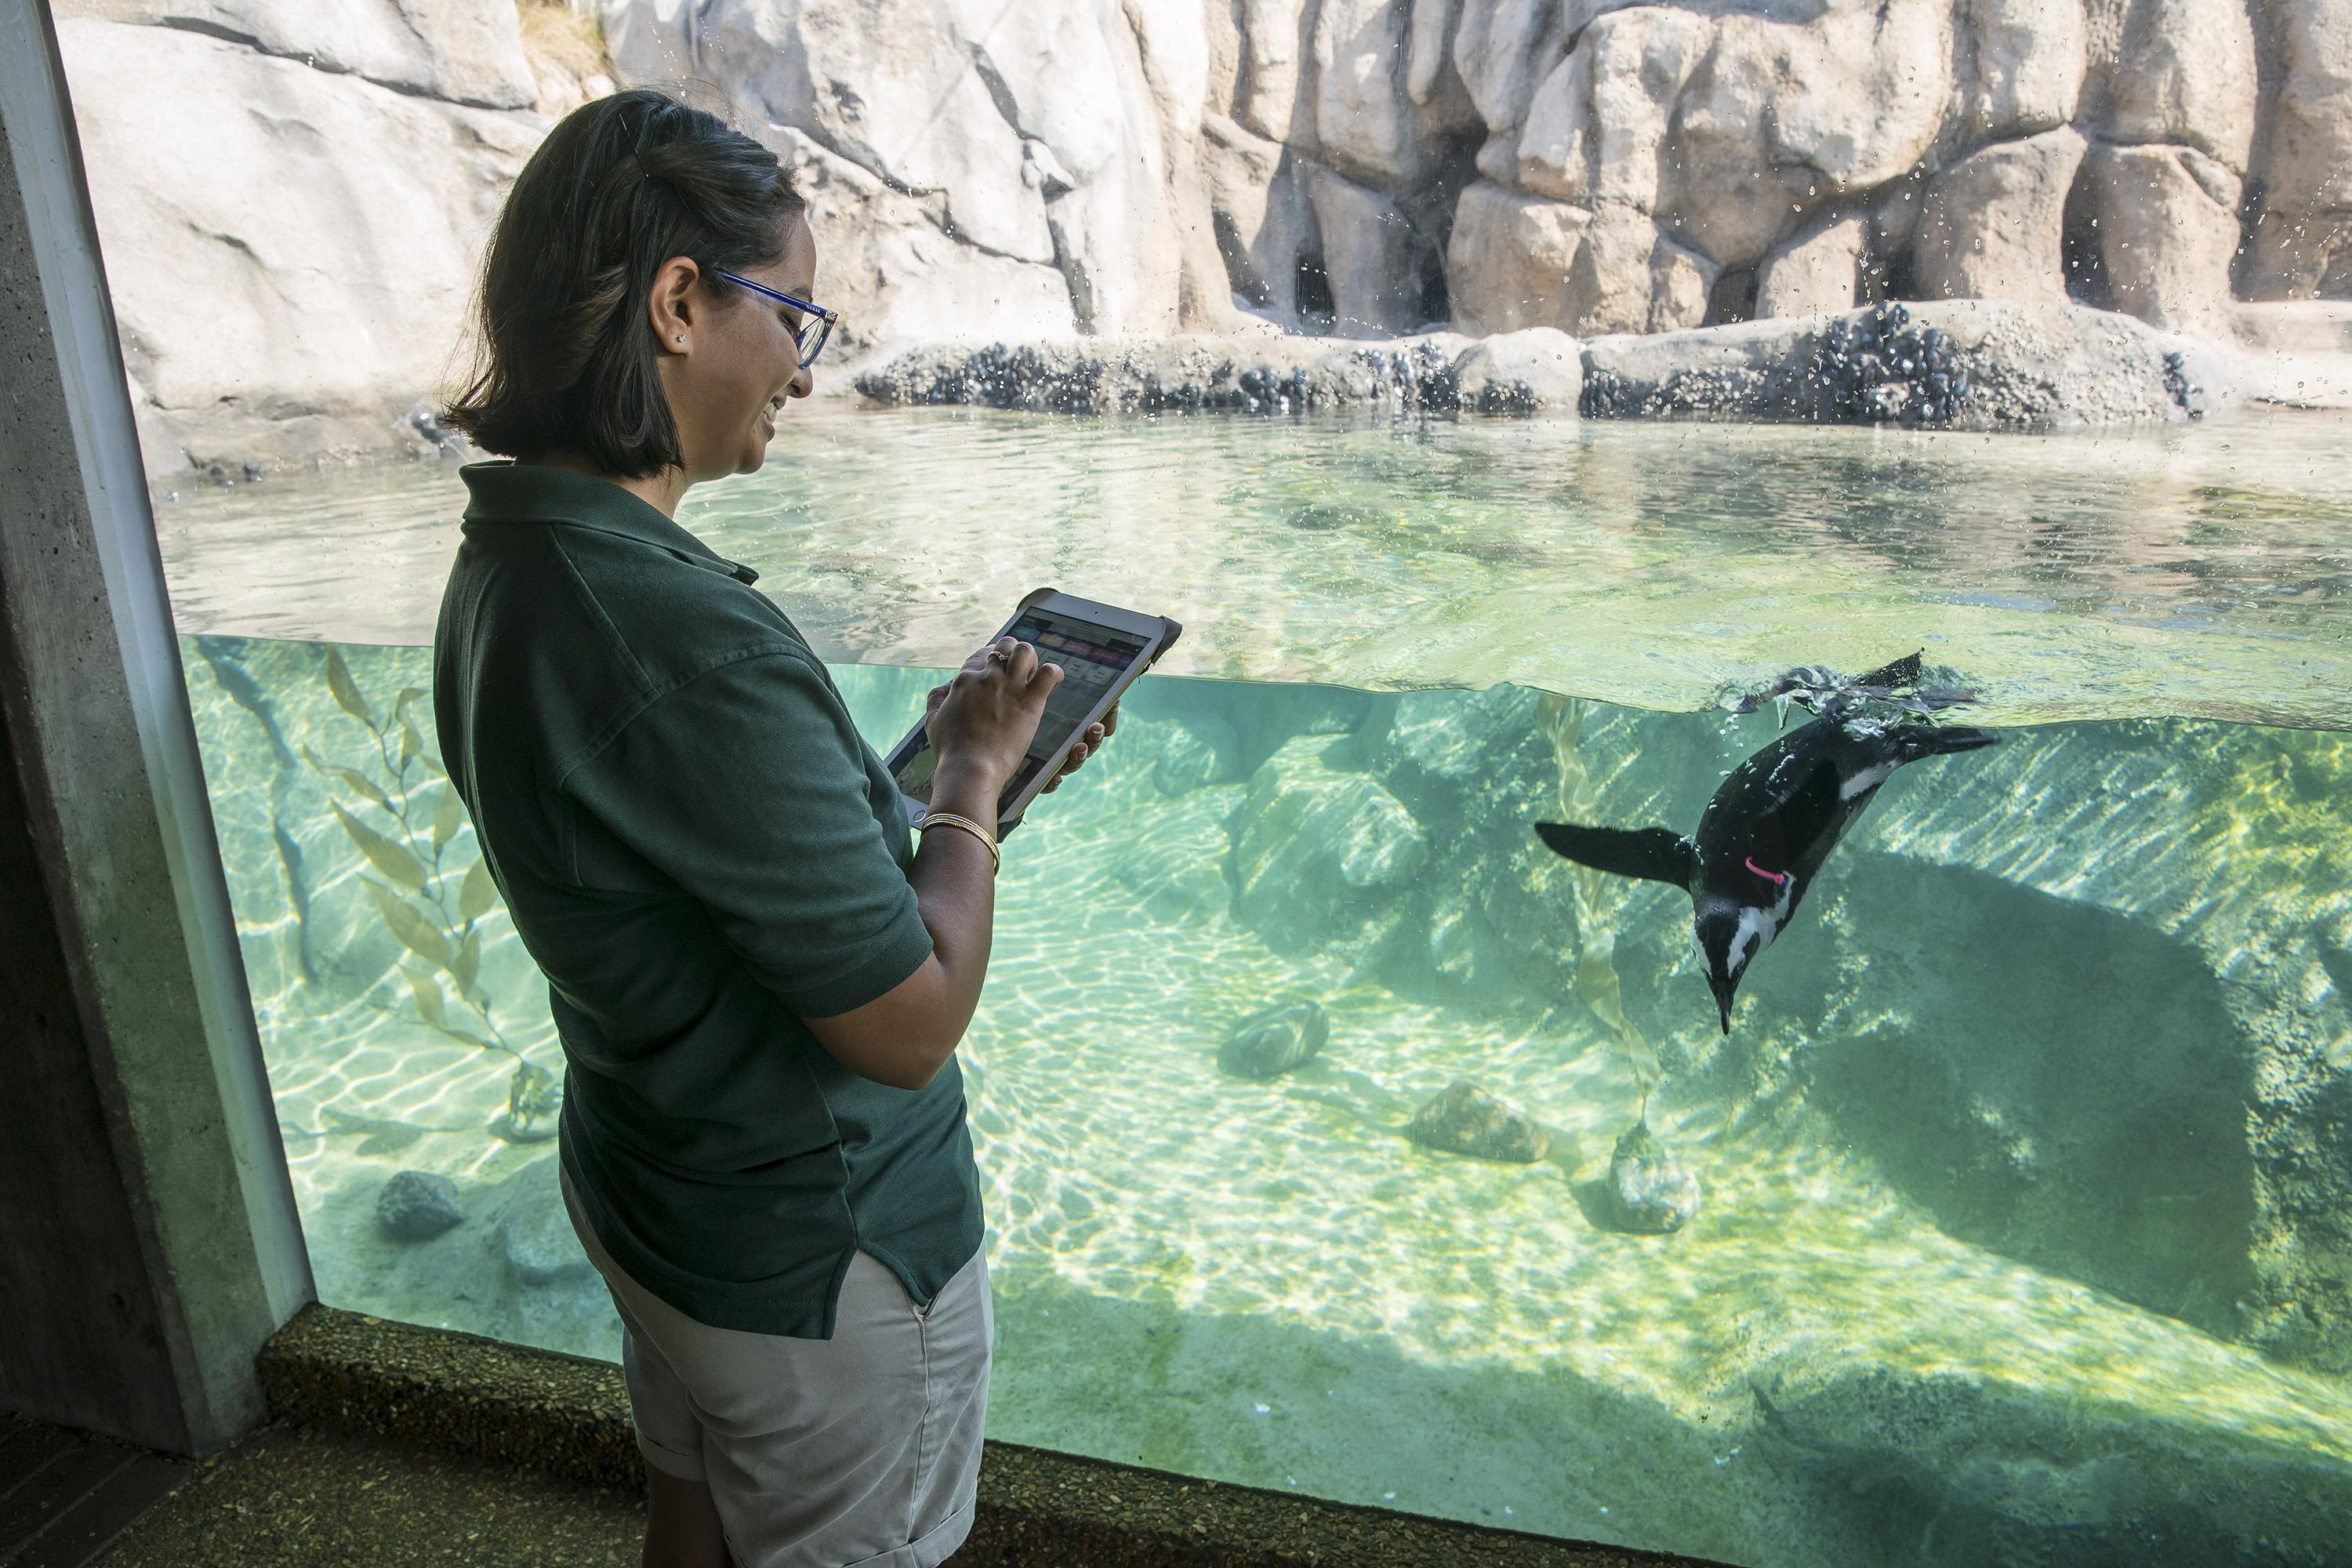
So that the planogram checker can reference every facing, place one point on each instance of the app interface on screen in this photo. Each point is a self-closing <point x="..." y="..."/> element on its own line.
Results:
<point x="1091" y="657"/>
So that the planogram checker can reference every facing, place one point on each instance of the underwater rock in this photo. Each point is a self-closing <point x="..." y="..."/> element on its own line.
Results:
<point x="1650" y="1190"/>
<point x="1190" y="759"/>
<point x="417" y="1205"/>
<point x="541" y="1249"/>
<point x="1323" y="856"/>
<point x="1466" y="1120"/>
<point x="1273" y="1040"/>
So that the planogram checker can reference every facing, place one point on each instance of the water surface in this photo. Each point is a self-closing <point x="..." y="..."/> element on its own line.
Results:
<point x="2200" y="570"/>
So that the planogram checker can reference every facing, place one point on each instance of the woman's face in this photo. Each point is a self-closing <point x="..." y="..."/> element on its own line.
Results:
<point x="728" y="381"/>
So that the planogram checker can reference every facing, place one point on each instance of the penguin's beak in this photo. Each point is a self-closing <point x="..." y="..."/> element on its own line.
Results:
<point x="1723" y="989"/>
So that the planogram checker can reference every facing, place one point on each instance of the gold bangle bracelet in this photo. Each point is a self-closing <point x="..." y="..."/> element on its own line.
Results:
<point x="950" y="819"/>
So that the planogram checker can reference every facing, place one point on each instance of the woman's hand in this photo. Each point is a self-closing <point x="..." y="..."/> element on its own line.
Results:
<point x="981" y="722"/>
<point x="1089" y="744"/>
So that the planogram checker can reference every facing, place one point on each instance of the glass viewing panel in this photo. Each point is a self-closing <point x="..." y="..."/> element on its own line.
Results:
<point x="2003" y="1222"/>
<point x="1324" y="1113"/>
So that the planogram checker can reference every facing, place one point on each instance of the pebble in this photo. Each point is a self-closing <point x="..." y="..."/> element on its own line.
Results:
<point x="417" y="1205"/>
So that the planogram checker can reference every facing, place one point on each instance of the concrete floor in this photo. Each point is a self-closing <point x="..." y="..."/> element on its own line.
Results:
<point x="299" y="1497"/>
<point x="400" y="1446"/>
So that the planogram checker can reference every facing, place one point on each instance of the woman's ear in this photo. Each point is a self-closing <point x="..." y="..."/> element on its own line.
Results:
<point x="669" y="304"/>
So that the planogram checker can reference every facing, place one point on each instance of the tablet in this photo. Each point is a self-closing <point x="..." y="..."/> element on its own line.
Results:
<point x="1101" y="649"/>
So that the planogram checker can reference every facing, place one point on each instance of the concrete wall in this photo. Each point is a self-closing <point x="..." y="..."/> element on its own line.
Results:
<point x="148" y="1239"/>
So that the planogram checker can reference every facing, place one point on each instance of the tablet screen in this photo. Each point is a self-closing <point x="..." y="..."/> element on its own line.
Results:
<point x="1092" y="658"/>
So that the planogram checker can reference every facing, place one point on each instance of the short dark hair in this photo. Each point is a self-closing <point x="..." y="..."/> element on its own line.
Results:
<point x="564" y="360"/>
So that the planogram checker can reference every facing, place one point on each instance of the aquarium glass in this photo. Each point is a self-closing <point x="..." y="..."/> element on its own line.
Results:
<point x="2019" y="1215"/>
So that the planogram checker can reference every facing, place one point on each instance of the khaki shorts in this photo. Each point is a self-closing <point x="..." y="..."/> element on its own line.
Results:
<point x="860" y="1449"/>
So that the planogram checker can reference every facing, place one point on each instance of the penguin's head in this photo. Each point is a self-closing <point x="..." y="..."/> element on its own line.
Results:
<point x="1727" y="937"/>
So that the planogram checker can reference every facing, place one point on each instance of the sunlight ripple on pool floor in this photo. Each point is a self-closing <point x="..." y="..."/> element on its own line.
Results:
<point x="1979" y="1268"/>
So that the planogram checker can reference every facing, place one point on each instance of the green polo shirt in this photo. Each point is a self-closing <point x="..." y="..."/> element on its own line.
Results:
<point x="700" y="850"/>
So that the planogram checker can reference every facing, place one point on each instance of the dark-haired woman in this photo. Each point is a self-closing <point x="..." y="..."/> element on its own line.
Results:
<point x="759" y="981"/>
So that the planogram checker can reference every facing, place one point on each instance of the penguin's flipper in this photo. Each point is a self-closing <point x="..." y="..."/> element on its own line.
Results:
<point x="1914" y="742"/>
<point x="1654" y="854"/>
<point x="1903" y="672"/>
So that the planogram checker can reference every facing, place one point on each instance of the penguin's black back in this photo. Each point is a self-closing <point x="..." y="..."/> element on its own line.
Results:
<point x="1787" y="806"/>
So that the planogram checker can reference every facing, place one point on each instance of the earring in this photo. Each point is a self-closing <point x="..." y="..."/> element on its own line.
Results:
<point x="681" y="337"/>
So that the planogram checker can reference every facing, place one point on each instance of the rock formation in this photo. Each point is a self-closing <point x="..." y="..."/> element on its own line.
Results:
<point x="293" y="200"/>
<point x="1367" y="168"/>
<point x="1382" y="165"/>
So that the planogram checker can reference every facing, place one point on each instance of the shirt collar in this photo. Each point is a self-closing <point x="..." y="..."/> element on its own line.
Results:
<point x="505" y="491"/>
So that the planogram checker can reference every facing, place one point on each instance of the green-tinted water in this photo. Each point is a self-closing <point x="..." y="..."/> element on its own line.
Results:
<point x="2201" y="572"/>
<point x="2024" y="1168"/>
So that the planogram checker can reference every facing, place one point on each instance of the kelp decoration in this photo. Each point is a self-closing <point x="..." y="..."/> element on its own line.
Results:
<point x="433" y="897"/>
<point x="1599" y="898"/>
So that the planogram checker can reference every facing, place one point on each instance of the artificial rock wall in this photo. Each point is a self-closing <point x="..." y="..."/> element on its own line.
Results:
<point x="1130" y="165"/>
<point x="293" y="194"/>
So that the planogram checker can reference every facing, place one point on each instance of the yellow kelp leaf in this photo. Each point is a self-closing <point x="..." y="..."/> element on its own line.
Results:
<point x="466" y="1039"/>
<point x="386" y="857"/>
<point x="417" y="933"/>
<point x="346" y="689"/>
<point x="430" y="1003"/>
<point x="353" y="780"/>
<point x="478" y="893"/>
<point x="447" y="817"/>
<point x="467" y="964"/>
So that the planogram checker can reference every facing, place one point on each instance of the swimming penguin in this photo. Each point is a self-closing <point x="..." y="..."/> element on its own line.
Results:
<point x="1763" y="837"/>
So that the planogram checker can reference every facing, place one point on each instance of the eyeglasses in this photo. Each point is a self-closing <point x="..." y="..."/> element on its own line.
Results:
<point x="816" y="323"/>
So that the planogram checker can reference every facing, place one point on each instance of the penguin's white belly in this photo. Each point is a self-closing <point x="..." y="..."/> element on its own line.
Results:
<point x="1865" y="780"/>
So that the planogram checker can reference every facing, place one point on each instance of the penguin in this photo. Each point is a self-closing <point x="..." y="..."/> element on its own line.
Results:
<point x="1762" y="838"/>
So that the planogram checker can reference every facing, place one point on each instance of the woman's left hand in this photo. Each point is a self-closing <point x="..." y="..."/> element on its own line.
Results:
<point x="1089" y="744"/>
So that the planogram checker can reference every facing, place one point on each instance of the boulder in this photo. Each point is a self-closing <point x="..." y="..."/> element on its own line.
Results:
<point x="1267" y="95"/>
<point x="417" y="1205"/>
<point x="1537" y="370"/>
<point x="1508" y="261"/>
<point x="460" y="51"/>
<point x="1782" y="119"/>
<point x="331" y="226"/>
<point x="1264" y="223"/>
<point x="2023" y="62"/>
<point x="1194" y="754"/>
<point x="1242" y="374"/>
<point x="1370" y="254"/>
<point x="1651" y="1191"/>
<point x="1464" y="1118"/>
<point x="1991" y="226"/>
<point x="888" y="263"/>
<point x="1502" y="48"/>
<point x="542" y="1251"/>
<point x="2168" y="228"/>
<point x="1275" y="1041"/>
<point x="2176" y="71"/>
<point x="1325" y="857"/>
<point x="1364" y="123"/>
<point x="1816" y="273"/>
<point x="2026" y="367"/>
<point x="1036" y="130"/>
<point x="2301" y="243"/>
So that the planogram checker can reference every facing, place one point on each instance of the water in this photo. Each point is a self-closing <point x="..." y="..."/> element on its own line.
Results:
<point x="2196" y="571"/>
<point x="2024" y="1226"/>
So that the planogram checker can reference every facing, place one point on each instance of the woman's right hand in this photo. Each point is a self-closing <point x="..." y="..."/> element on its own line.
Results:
<point x="981" y="722"/>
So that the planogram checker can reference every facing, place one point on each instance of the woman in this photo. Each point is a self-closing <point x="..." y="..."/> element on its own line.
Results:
<point x="758" y="982"/>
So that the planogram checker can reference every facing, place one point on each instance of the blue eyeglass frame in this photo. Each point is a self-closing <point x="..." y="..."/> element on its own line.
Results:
<point x="822" y="318"/>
